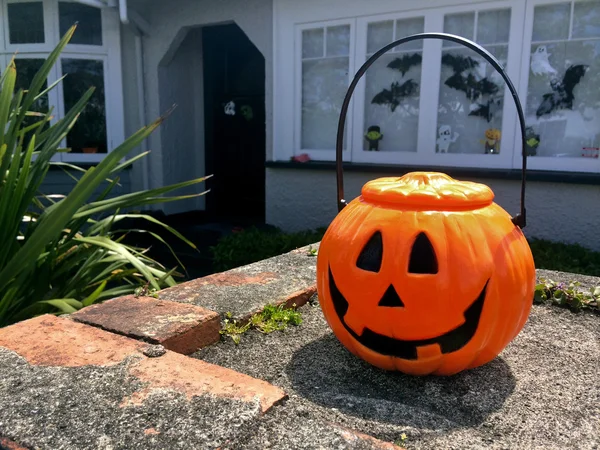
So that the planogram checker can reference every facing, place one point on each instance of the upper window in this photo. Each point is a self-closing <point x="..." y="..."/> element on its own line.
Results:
<point x="89" y="31"/>
<point x="31" y="29"/>
<point x="563" y="90"/>
<point x="25" y="23"/>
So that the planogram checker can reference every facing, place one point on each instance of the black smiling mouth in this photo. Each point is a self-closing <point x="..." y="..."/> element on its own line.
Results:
<point x="449" y="342"/>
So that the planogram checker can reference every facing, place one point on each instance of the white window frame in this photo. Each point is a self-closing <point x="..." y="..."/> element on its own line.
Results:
<point x="321" y="154"/>
<point x="109" y="52"/>
<point x="572" y="164"/>
<point x="287" y="135"/>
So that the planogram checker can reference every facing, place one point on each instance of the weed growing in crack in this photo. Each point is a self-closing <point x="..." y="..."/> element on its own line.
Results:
<point x="271" y="318"/>
<point x="567" y="295"/>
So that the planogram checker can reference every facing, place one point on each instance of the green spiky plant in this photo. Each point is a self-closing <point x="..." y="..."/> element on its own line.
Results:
<point x="61" y="253"/>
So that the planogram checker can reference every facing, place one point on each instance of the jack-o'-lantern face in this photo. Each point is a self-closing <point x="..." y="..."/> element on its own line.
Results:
<point x="422" y="261"/>
<point x="425" y="274"/>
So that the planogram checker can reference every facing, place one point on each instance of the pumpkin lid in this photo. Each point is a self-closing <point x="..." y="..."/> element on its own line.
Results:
<point x="432" y="190"/>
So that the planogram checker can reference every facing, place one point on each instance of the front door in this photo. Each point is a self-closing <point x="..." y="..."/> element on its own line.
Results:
<point x="234" y="102"/>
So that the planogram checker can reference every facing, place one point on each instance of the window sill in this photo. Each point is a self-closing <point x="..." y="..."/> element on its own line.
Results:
<point x="394" y="169"/>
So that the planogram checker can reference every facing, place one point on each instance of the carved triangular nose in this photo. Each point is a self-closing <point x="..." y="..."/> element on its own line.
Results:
<point x="391" y="298"/>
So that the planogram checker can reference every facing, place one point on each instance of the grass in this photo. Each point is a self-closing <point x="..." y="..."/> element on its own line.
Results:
<point x="271" y="318"/>
<point x="254" y="244"/>
<point x="563" y="257"/>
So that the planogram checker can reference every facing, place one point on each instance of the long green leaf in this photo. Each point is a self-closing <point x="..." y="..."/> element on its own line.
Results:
<point x="6" y="93"/>
<point x="149" y="219"/>
<point x="121" y="250"/>
<point x="94" y="295"/>
<point x="140" y="198"/>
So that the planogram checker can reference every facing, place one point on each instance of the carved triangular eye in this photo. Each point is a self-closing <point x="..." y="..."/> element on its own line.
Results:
<point x="422" y="256"/>
<point x="371" y="256"/>
<point x="391" y="298"/>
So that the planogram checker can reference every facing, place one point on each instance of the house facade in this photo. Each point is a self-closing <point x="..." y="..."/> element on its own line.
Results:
<point x="258" y="83"/>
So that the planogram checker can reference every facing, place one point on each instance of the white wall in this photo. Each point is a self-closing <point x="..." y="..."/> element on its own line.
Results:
<point x="182" y="140"/>
<point x="170" y="23"/>
<point x="304" y="199"/>
<point x="131" y="100"/>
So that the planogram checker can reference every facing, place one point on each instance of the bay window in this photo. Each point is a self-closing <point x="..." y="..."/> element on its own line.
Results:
<point x="437" y="103"/>
<point x="30" y="30"/>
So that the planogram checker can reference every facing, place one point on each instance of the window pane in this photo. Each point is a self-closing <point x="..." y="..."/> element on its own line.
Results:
<point x="586" y="19"/>
<point x="566" y="120"/>
<point x="551" y="22"/>
<point x="88" y="135"/>
<point x="324" y="85"/>
<point x="312" y="43"/>
<point x="461" y="24"/>
<point x="392" y="89"/>
<point x="338" y="40"/>
<point x="26" y="23"/>
<point x="470" y="103"/>
<point x="89" y="18"/>
<point x="26" y="70"/>
<point x="493" y="27"/>
<point x="406" y="27"/>
<point x="379" y="34"/>
<point x="392" y="103"/>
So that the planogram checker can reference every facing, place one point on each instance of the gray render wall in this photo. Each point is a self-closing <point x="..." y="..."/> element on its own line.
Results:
<point x="300" y="199"/>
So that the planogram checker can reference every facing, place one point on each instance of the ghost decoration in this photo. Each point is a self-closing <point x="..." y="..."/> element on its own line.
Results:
<point x="445" y="138"/>
<point x="539" y="62"/>
<point x="230" y="108"/>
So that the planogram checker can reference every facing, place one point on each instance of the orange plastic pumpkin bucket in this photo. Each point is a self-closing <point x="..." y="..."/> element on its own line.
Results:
<point x="423" y="273"/>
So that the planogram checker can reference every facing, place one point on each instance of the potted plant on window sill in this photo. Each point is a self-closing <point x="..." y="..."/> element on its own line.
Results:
<point x="90" y="149"/>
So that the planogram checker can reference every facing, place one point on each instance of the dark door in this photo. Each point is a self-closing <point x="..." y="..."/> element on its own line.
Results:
<point x="234" y="105"/>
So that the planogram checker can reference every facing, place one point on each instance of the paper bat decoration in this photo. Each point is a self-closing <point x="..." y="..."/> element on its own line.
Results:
<point x="562" y="96"/>
<point x="396" y="92"/>
<point x="405" y="62"/>
<point x="459" y="63"/>
<point x="487" y="109"/>
<point x="471" y="86"/>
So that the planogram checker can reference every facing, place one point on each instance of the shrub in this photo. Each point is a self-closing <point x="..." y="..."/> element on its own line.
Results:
<point x="61" y="253"/>
<point x="253" y="244"/>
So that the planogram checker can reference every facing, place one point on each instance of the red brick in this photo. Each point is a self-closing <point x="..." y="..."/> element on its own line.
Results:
<point x="6" y="444"/>
<point x="300" y="298"/>
<point x="182" y="328"/>
<point x="54" y="341"/>
<point x="236" y="279"/>
<point x="354" y="437"/>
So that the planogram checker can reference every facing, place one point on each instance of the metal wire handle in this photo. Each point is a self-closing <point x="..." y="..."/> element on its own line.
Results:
<point x="519" y="219"/>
